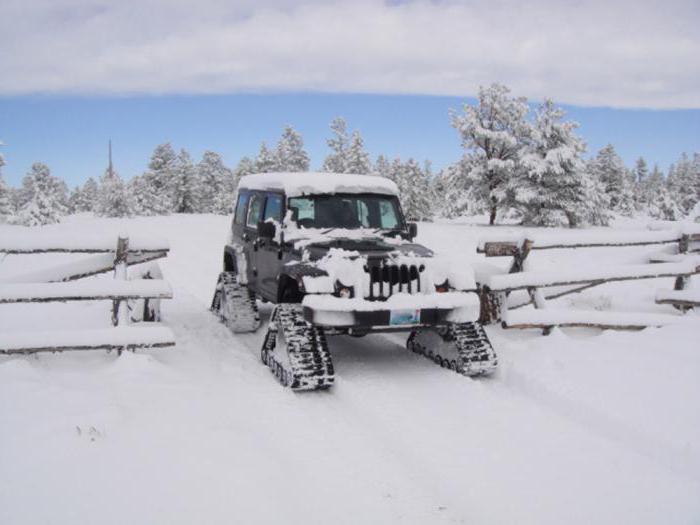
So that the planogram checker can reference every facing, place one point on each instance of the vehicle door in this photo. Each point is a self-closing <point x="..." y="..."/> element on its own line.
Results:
<point x="256" y="205"/>
<point x="269" y="255"/>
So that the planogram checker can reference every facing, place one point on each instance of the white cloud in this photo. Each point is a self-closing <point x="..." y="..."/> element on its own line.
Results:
<point x="629" y="53"/>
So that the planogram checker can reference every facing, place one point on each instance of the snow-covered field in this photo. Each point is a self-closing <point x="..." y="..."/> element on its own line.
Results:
<point x="578" y="427"/>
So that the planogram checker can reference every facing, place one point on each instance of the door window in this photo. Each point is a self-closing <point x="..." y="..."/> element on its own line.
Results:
<point x="241" y="208"/>
<point x="273" y="207"/>
<point x="254" y="211"/>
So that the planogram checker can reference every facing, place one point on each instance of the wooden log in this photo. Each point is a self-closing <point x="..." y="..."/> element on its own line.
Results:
<point x="84" y="291"/>
<point x="575" y="245"/>
<point x="538" y="279"/>
<point x="92" y="339"/>
<point x="499" y="249"/>
<point x="519" y="257"/>
<point x="87" y="267"/>
<point x="120" y="264"/>
<point x="544" y="326"/>
<point x="491" y="306"/>
<point x="682" y="280"/>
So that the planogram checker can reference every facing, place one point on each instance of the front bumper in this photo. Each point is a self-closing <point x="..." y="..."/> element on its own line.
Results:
<point x="409" y="310"/>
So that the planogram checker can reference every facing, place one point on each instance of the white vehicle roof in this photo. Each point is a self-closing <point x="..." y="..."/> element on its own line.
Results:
<point x="314" y="183"/>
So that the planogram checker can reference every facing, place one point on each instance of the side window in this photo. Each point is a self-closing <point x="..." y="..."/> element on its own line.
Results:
<point x="273" y="207"/>
<point x="388" y="215"/>
<point x="254" y="211"/>
<point x="240" y="208"/>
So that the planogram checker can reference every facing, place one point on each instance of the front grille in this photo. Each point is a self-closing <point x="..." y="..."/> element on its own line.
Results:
<point x="388" y="279"/>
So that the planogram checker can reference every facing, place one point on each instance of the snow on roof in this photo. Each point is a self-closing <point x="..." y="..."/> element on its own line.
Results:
<point x="307" y="183"/>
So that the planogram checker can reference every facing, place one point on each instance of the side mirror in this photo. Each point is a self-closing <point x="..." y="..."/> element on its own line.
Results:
<point x="266" y="230"/>
<point x="412" y="230"/>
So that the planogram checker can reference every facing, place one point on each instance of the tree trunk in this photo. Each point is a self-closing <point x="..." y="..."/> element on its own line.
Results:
<point x="492" y="215"/>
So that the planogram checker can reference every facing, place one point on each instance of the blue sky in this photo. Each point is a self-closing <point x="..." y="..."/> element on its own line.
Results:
<point x="70" y="134"/>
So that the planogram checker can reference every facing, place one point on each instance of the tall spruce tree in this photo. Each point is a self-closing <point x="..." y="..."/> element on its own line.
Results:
<point x="159" y="182"/>
<point x="290" y="153"/>
<point x="44" y="204"/>
<point x="186" y="189"/>
<point x="339" y="143"/>
<point x="616" y="178"/>
<point x="215" y="179"/>
<point x="6" y="205"/>
<point x="357" y="159"/>
<point x="113" y="196"/>
<point x="493" y="133"/>
<point x="266" y="161"/>
<point x="549" y="190"/>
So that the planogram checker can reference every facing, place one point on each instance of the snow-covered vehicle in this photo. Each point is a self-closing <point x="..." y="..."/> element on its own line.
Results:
<point x="335" y="254"/>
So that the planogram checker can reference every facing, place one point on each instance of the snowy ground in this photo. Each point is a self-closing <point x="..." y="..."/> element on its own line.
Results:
<point x="579" y="427"/>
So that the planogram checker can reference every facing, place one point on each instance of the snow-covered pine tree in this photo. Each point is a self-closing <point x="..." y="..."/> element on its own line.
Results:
<point x="415" y="191"/>
<point x="113" y="197"/>
<point x="641" y="173"/>
<point x="459" y="192"/>
<point x="683" y="182"/>
<point x="357" y="159"/>
<point x="290" y="153"/>
<point x="159" y="182"/>
<point x="549" y="190"/>
<point x="595" y="203"/>
<point x="339" y="143"/>
<point x="137" y="191"/>
<point x="493" y="132"/>
<point x="89" y="193"/>
<point x="187" y="188"/>
<point x="44" y="204"/>
<point x="225" y="200"/>
<point x="266" y="161"/>
<point x="6" y="206"/>
<point x="617" y="179"/>
<point x="215" y="180"/>
<point x="382" y="166"/>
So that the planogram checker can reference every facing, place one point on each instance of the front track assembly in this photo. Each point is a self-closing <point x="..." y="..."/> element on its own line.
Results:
<point x="295" y="351"/>
<point x="462" y="347"/>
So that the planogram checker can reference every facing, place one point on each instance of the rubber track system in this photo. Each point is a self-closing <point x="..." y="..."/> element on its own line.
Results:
<point x="309" y="365"/>
<point x="464" y="348"/>
<point x="235" y="304"/>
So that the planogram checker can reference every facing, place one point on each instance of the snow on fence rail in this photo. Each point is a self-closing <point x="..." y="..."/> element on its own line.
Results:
<point x="52" y="286"/>
<point x="494" y="289"/>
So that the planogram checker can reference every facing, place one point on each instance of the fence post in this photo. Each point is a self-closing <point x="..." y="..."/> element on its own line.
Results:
<point x="120" y="310"/>
<point x="682" y="280"/>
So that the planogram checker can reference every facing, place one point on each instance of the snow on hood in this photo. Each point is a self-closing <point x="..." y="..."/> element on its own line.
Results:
<point x="316" y="183"/>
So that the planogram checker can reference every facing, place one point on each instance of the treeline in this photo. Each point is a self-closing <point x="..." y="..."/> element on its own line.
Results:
<point x="518" y="164"/>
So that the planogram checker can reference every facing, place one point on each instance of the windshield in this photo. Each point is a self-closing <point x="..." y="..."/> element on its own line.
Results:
<point x="346" y="211"/>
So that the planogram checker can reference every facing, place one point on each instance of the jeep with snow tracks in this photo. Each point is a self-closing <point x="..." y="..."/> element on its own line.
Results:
<point x="335" y="255"/>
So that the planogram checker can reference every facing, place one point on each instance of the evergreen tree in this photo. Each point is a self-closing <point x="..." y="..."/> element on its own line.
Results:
<point x="549" y="191"/>
<point x="113" y="197"/>
<point x="89" y="193"/>
<point x="641" y="171"/>
<point x="215" y="180"/>
<point x="159" y="182"/>
<point x="415" y="191"/>
<point x="187" y="188"/>
<point x="616" y="178"/>
<point x="336" y="161"/>
<point x="44" y="204"/>
<point x="357" y="159"/>
<point x="290" y="153"/>
<point x="137" y="190"/>
<point x="382" y="166"/>
<point x="641" y="174"/>
<point x="683" y="182"/>
<point x="6" y="206"/>
<point x="492" y="133"/>
<point x="266" y="161"/>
